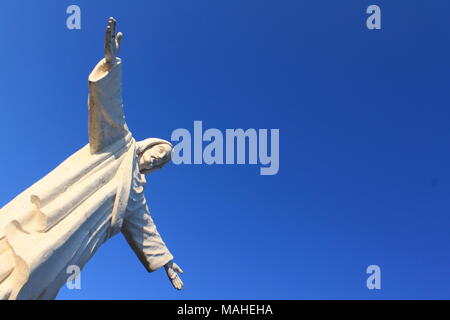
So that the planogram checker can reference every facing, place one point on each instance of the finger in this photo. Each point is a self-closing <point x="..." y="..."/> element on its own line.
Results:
<point x="113" y="27"/>
<point x="174" y="282"/>
<point x="111" y="23"/>
<point x="179" y="280"/>
<point x="118" y="40"/>
<point x="177" y="268"/>
<point x="178" y="284"/>
<point x="108" y="43"/>
<point x="108" y="34"/>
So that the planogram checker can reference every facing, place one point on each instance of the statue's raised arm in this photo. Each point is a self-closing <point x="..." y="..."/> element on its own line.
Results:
<point x="106" y="116"/>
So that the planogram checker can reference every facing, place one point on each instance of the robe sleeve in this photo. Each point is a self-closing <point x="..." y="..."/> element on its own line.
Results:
<point x="143" y="237"/>
<point x="106" y="116"/>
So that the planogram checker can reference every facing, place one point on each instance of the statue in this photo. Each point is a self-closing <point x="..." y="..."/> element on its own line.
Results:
<point x="93" y="195"/>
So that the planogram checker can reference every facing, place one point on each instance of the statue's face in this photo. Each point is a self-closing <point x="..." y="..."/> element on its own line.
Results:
<point x="154" y="157"/>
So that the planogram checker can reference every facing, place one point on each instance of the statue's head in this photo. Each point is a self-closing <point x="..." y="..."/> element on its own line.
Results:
<point x="153" y="154"/>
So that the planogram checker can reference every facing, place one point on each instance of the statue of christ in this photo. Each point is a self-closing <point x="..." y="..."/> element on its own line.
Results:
<point x="93" y="195"/>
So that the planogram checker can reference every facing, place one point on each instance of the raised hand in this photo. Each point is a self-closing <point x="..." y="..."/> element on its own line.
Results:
<point x="112" y="41"/>
<point x="171" y="269"/>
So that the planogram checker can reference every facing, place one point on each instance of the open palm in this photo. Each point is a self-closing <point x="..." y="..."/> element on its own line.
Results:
<point x="172" y="270"/>
<point x="112" y="41"/>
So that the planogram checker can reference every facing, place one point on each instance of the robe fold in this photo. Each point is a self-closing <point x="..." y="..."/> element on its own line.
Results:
<point x="66" y="216"/>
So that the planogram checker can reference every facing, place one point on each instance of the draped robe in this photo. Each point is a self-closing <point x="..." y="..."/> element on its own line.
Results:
<point x="93" y="195"/>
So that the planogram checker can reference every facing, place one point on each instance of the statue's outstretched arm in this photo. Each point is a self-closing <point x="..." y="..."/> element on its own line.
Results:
<point x="143" y="237"/>
<point x="106" y="116"/>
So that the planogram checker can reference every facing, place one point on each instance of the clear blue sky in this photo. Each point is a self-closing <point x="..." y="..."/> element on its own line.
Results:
<point x="364" y="139"/>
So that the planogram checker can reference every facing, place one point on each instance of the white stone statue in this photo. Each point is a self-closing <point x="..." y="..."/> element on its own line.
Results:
<point x="93" y="195"/>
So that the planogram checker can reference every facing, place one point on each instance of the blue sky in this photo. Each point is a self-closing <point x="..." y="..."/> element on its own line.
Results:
<point x="364" y="139"/>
